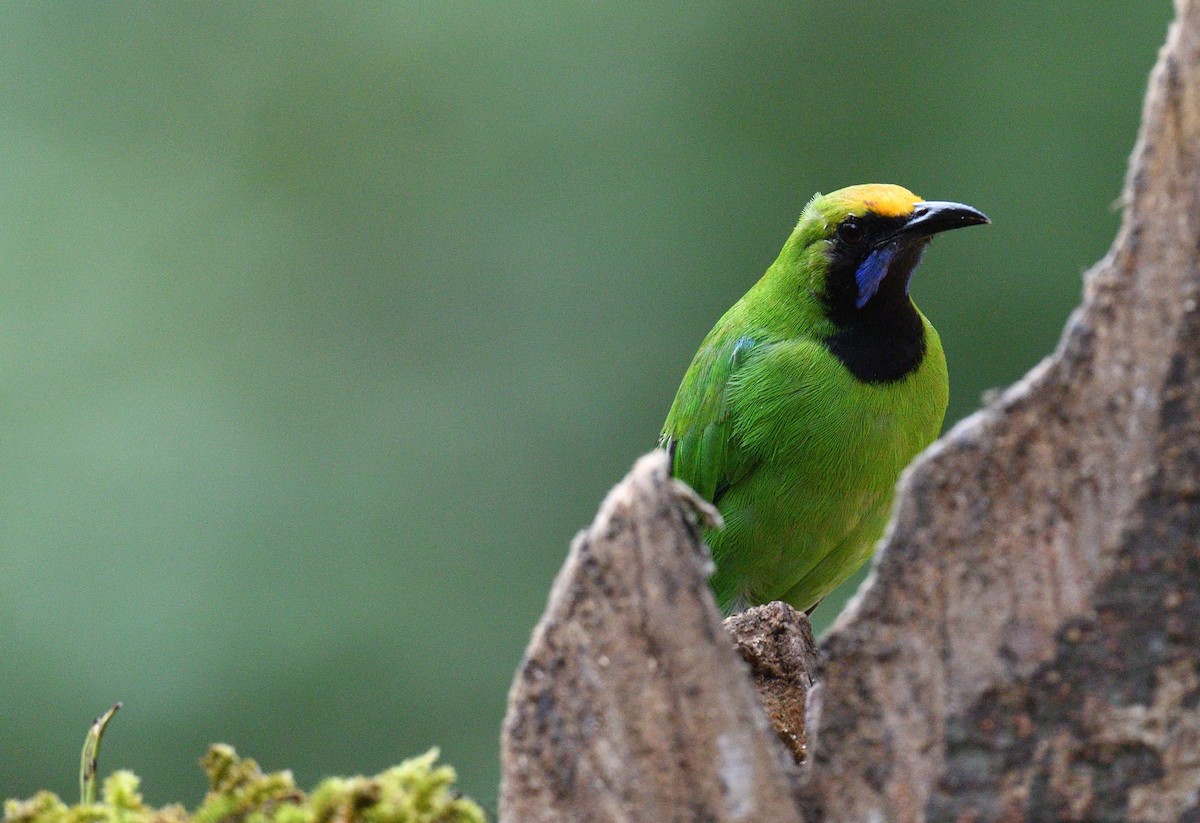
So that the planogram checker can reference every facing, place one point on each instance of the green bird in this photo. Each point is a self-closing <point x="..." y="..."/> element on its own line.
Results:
<point x="811" y="394"/>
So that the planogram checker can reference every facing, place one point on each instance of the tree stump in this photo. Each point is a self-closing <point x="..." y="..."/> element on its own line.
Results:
<point x="1028" y="645"/>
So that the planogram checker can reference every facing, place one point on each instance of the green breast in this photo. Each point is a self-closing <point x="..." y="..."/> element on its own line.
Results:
<point x="828" y="449"/>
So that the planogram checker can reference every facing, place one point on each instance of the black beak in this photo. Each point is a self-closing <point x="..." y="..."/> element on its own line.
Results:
<point x="931" y="217"/>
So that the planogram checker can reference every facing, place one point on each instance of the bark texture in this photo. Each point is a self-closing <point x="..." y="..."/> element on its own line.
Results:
<point x="776" y="642"/>
<point x="1028" y="646"/>
<point x="631" y="703"/>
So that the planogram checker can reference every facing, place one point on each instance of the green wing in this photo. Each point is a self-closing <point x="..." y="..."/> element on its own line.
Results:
<point x="699" y="429"/>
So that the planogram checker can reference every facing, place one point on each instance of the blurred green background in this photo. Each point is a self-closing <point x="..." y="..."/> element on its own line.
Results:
<point x="324" y="327"/>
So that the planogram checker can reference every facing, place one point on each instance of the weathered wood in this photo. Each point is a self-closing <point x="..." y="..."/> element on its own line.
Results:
<point x="1030" y="647"/>
<point x="631" y="703"/>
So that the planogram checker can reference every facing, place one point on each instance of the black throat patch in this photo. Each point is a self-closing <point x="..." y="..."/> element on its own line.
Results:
<point x="884" y="341"/>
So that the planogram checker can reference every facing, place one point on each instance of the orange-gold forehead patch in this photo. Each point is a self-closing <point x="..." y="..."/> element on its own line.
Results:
<point x="883" y="199"/>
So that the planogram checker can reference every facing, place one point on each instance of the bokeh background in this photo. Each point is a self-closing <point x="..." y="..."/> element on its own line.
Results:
<point x="323" y="327"/>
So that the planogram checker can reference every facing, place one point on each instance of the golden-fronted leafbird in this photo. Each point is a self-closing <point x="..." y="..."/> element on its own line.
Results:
<point x="811" y="394"/>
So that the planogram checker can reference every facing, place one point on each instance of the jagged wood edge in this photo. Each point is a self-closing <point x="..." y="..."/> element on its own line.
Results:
<point x="630" y="703"/>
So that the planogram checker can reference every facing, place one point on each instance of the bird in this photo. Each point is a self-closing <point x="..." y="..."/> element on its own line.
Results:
<point x="811" y="394"/>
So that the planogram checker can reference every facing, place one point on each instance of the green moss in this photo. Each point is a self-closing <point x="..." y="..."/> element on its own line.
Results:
<point x="416" y="791"/>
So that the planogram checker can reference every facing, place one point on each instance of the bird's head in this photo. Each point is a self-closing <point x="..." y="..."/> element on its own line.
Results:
<point x="863" y="242"/>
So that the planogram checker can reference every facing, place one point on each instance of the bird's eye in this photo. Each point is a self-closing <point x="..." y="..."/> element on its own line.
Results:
<point x="850" y="231"/>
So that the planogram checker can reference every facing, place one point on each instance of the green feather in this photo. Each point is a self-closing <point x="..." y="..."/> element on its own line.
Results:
<point x="799" y="453"/>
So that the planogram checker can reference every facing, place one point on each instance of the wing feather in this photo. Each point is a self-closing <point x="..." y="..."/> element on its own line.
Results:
<point x="699" y="428"/>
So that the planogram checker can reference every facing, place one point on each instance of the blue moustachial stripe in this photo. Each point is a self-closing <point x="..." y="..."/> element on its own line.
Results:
<point x="871" y="272"/>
